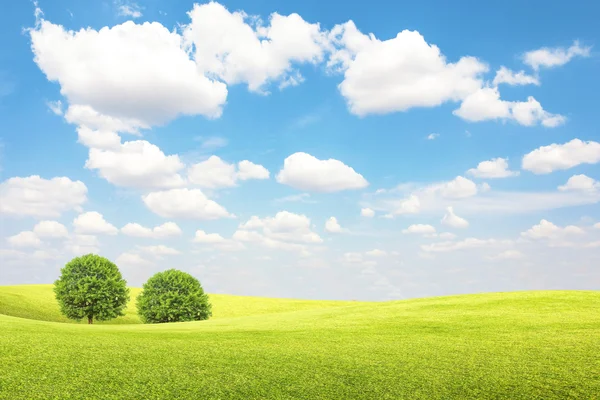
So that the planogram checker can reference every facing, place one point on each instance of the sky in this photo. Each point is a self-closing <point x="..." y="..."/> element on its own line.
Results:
<point x="300" y="149"/>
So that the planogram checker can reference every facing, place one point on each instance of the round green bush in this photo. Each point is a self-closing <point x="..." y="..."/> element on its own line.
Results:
<point x="91" y="287"/>
<point x="173" y="296"/>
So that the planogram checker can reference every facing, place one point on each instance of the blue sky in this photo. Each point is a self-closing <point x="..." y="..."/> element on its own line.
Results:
<point x="299" y="149"/>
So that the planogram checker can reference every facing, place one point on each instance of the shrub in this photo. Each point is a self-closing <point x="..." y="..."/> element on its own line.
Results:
<point x="91" y="286"/>
<point x="173" y="296"/>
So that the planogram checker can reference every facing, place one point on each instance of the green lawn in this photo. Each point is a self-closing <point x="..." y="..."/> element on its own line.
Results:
<point x="522" y="345"/>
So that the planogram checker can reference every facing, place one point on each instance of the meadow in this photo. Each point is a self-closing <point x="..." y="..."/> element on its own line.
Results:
<point x="518" y="345"/>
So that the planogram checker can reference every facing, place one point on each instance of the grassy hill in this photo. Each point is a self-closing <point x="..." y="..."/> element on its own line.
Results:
<point x="521" y="345"/>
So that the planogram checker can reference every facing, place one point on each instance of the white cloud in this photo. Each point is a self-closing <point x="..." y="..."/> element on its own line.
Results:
<point x="215" y="173"/>
<point x="93" y="223"/>
<point x="547" y="230"/>
<point x="129" y="71"/>
<point x="376" y="253"/>
<point x="553" y="57"/>
<point x="410" y="205"/>
<point x="132" y="260"/>
<point x="468" y="243"/>
<point x="332" y="225"/>
<point x="159" y="250"/>
<point x="40" y="197"/>
<point x="505" y="75"/>
<point x="184" y="203"/>
<point x="86" y="116"/>
<point x="446" y="235"/>
<point x="203" y="237"/>
<point x="161" y="231"/>
<point x="50" y="229"/>
<point x="239" y="48"/>
<point x="485" y="104"/>
<point x="433" y="136"/>
<point x="367" y="212"/>
<point x="494" y="168"/>
<point x="580" y="182"/>
<point x="507" y="255"/>
<point x="99" y="139"/>
<point x="284" y="226"/>
<point x="457" y="188"/>
<point x="302" y="197"/>
<point x="82" y="244"/>
<point x="248" y="236"/>
<point x="137" y="164"/>
<point x="55" y="107"/>
<point x="130" y="10"/>
<point x="453" y="220"/>
<point x="554" y="157"/>
<point x="420" y="228"/>
<point x="24" y="239"/>
<point x="399" y="73"/>
<point x="305" y="172"/>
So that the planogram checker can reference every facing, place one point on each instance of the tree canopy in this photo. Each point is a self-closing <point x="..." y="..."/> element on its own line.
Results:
<point x="173" y="296"/>
<point x="91" y="287"/>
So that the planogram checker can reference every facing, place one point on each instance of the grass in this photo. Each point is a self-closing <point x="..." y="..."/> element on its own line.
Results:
<point x="521" y="345"/>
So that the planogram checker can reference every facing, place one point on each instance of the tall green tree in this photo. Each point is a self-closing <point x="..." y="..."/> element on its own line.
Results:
<point x="91" y="287"/>
<point x="173" y="296"/>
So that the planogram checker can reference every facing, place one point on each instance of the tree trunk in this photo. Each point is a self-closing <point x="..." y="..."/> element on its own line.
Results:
<point x="90" y="319"/>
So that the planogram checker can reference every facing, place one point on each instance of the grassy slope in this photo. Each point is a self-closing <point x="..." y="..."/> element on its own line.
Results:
<point x="38" y="302"/>
<point x="523" y="345"/>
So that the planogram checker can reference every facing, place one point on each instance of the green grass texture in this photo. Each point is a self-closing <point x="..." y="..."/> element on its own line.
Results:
<point x="517" y="345"/>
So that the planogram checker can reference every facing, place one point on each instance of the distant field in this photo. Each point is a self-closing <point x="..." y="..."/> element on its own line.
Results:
<point x="522" y="345"/>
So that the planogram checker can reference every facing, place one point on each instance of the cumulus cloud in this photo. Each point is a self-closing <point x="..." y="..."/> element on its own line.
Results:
<point x="24" y="239"/>
<point x="485" y="104"/>
<point x="547" y="230"/>
<point x="50" y="229"/>
<point x="505" y="75"/>
<point x="159" y="250"/>
<point x="554" y="157"/>
<point x="130" y="259"/>
<point x="453" y="220"/>
<point x="332" y="225"/>
<point x="305" y="172"/>
<point x="125" y="71"/>
<point x="367" y="212"/>
<point x="458" y="188"/>
<point x="420" y="229"/>
<point x="137" y="164"/>
<point x="161" y="231"/>
<point x="547" y="57"/>
<point x="237" y="48"/>
<point x="184" y="203"/>
<point x="93" y="223"/>
<point x="284" y="226"/>
<point x="203" y="237"/>
<point x="383" y="76"/>
<point x="580" y="182"/>
<point x="215" y="173"/>
<point x="494" y="168"/>
<point x="468" y="243"/>
<point x="39" y="197"/>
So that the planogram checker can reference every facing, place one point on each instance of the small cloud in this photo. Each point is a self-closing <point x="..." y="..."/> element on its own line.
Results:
<point x="129" y="10"/>
<point x="433" y="136"/>
<point x="55" y="107"/>
<point x="302" y="198"/>
<point x="212" y="143"/>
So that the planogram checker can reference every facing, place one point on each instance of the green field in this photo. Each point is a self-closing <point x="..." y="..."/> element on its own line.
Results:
<point x="520" y="345"/>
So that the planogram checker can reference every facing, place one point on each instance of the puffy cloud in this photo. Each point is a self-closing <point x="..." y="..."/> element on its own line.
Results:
<point x="50" y="229"/>
<point x="130" y="10"/>
<point x="39" y="197"/>
<point x="505" y="75"/>
<point x="410" y="205"/>
<point x="367" y="212"/>
<point x="332" y="225"/>
<point x="485" y="104"/>
<point x="137" y="164"/>
<point x="580" y="182"/>
<point x="215" y="173"/>
<point x="84" y="115"/>
<point x="130" y="259"/>
<point x="284" y="226"/>
<point x="453" y="220"/>
<point x="249" y="236"/>
<point x="546" y="159"/>
<point x="376" y="253"/>
<point x="98" y="139"/>
<point x="203" y="237"/>
<point x="553" y="57"/>
<point x="399" y="73"/>
<point x="159" y="250"/>
<point x="547" y="230"/>
<point x="237" y="48"/>
<point x="468" y="243"/>
<point x="93" y="223"/>
<point x="184" y="203"/>
<point x="420" y="228"/>
<point x="305" y="172"/>
<point x="494" y="168"/>
<point x="24" y="239"/>
<point x="161" y="231"/>
<point x="126" y="71"/>
<point x="458" y="188"/>
<point x="433" y="136"/>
